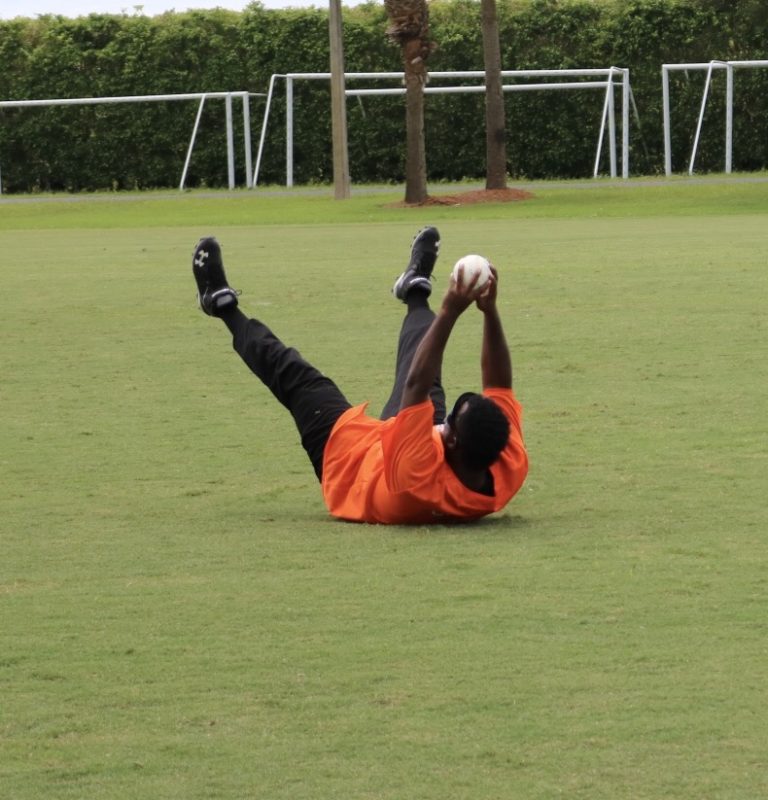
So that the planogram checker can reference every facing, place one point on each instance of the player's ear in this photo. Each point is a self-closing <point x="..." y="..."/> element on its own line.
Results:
<point x="450" y="440"/>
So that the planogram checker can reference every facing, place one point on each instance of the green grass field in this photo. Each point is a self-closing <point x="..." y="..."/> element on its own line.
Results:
<point x="181" y="619"/>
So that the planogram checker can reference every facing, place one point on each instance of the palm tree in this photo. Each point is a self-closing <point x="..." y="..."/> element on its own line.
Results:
<point x="409" y="28"/>
<point x="495" y="122"/>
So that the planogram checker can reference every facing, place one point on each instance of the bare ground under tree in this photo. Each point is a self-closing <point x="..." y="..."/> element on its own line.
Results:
<point x="470" y="198"/>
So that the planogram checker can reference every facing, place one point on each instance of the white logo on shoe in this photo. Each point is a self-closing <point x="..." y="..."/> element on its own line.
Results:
<point x="200" y="260"/>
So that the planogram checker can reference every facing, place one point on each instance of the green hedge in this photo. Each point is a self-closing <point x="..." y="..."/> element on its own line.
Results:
<point x="550" y="134"/>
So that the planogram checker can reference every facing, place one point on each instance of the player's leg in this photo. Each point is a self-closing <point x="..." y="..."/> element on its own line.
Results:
<point x="314" y="401"/>
<point x="413" y="287"/>
<point x="415" y="324"/>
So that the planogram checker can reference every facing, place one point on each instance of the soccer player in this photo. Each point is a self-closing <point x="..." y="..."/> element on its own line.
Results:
<point x="414" y="464"/>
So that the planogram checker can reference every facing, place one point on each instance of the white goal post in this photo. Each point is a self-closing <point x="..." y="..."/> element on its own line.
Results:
<point x="155" y="98"/>
<point x="602" y="78"/>
<point x="709" y="67"/>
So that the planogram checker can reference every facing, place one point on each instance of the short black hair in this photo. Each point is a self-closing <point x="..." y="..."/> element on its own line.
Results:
<point x="482" y="432"/>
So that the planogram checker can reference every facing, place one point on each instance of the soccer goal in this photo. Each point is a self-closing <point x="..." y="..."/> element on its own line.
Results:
<point x="228" y="98"/>
<point x="605" y="79"/>
<point x="710" y="67"/>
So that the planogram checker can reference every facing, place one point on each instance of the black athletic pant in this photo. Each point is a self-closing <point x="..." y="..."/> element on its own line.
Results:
<point x="415" y="325"/>
<point x="314" y="401"/>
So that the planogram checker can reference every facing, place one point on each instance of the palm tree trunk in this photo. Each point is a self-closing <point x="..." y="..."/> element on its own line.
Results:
<point x="495" y="121"/>
<point x="416" y="157"/>
<point x="409" y="28"/>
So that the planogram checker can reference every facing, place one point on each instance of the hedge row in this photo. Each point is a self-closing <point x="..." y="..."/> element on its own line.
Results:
<point x="550" y="134"/>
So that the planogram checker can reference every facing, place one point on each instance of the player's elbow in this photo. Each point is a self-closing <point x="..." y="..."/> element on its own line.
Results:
<point x="415" y="390"/>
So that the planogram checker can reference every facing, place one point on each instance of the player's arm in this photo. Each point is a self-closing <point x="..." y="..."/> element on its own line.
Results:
<point x="495" y="360"/>
<point x="428" y="357"/>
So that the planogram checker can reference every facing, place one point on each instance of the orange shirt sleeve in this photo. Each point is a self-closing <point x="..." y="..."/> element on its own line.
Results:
<point x="511" y="469"/>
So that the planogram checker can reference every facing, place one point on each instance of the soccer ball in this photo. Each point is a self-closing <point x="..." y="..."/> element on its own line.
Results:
<point x="472" y="265"/>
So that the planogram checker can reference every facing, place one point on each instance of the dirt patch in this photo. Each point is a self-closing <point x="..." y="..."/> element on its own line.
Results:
<point x="470" y="198"/>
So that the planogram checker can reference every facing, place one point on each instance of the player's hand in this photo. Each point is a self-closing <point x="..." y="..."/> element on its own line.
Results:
<point x="460" y="296"/>
<point x="486" y="300"/>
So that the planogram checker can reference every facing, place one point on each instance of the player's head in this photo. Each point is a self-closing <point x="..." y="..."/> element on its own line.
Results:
<point x="480" y="429"/>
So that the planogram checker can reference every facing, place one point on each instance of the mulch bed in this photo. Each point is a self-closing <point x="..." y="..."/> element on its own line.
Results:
<point x="470" y="198"/>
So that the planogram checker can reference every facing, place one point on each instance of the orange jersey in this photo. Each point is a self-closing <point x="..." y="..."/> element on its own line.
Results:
<point x="394" y="471"/>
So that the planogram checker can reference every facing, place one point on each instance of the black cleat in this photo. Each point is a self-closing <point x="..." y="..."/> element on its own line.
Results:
<point x="424" y="252"/>
<point x="214" y="294"/>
